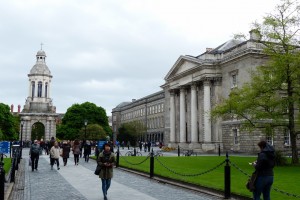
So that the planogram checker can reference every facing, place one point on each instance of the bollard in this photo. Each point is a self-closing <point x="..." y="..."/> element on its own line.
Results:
<point x="13" y="171"/>
<point x="227" y="178"/>
<point x="178" y="151"/>
<point x="219" y="150"/>
<point x="118" y="157"/>
<point x="2" y="179"/>
<point x="151" y="164"/>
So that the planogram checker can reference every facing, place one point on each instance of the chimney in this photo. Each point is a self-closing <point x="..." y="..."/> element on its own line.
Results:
<point x="255" y="34"/>
<point x="209" y="49"/>
<point x="12" y="108"/>
<point x="19" y="108"/>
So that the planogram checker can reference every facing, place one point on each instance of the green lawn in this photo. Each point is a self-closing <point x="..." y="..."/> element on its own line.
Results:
<point x="7" y="164"/>
<point x="286" y="178"/>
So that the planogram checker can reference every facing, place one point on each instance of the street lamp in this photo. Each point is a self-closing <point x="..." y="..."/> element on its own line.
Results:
<point x="21" y="141"/>
<point x="85" y="124"/>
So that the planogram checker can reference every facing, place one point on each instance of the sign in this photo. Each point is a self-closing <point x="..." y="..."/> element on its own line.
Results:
<point x="101" y="144"/>
<point x="4" y="147"/>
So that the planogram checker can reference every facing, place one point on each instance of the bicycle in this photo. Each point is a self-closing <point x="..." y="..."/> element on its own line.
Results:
<point x="131" y="153"/>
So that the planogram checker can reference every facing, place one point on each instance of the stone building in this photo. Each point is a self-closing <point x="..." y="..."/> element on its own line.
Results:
<point x="39" y="114"/>
<point x="148" y="110"/>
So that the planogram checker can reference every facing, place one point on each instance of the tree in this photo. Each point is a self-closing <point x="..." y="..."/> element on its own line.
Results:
<point x="93" y="132"/>
<point x="131" y="131"/>
<point x="73" y="120"/>
<point x="270" y="99"/>
<point x="9" y="125"/>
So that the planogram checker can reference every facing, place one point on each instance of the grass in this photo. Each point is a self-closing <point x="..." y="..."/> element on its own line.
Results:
<point x="285" y="179"/>
<point x="7" y="164"/>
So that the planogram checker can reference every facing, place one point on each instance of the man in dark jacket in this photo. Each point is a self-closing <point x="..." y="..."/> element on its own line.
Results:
<point x="34" y="155"/>
<point x="264" y="166"/>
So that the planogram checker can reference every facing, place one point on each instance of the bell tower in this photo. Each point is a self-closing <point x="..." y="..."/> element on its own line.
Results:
<point x="38" y="108"/>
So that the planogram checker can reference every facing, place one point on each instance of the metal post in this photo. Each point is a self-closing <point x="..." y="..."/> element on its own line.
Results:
<point x="151" y="164"/>
<point x="118" y="157"/>
<point x="134" y="152"/>
<point x="21" y="141"/>
<point x="178" y="151"/>
<point x="2" y="178"/>
<point x="227" y="179"/>
<point x="219" y="150"/>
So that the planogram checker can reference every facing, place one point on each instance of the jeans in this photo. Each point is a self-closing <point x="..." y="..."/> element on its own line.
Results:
<point x="105" y="185"/>
<point x="76" y="158"/>
<point x="34" y="161"/>
<point x="263" y="185"/>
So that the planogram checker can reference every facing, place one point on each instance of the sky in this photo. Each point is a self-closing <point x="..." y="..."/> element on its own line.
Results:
<point x="110" y="51"/>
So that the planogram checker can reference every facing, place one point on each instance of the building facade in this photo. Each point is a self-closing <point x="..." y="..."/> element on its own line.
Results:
<point x="148" y="111"/>
<point x="39" y="113"/>
<point x="196" y="84"/>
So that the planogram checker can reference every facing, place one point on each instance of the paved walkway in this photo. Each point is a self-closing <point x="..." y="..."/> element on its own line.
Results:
<point x="79" y="182"/>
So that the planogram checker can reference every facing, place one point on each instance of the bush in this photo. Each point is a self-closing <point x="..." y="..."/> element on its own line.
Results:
<point x="280" y="159"/>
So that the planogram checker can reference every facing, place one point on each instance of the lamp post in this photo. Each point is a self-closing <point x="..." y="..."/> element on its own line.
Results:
<point x="21" y="140"/>
<point x="85" y="124"/>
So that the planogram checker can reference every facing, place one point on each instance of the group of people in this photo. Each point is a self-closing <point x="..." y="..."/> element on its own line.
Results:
<point x="57" y="150"/>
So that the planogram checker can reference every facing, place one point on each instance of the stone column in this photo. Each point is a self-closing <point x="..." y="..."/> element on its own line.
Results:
<point x="36" y="88"/>
<point x="29" y="92"/>
<point x="182" y="115"/>
<point x="194" y="133"/>
<point x="172" y="116"/>
<point x="207" y="109"/>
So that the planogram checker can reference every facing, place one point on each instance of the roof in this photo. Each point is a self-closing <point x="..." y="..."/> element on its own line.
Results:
<point x="225" y="46"/>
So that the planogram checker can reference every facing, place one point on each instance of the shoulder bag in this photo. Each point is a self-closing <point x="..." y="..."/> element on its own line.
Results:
<point x="250" y="185"/>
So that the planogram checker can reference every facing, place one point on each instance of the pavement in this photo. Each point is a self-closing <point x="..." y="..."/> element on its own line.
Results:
<point x="79" y="183"/>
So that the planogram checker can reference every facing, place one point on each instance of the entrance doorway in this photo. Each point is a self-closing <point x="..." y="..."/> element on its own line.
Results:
<point x="38" y="131"/>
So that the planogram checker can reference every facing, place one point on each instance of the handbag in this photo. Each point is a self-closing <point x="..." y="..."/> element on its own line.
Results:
<point x="250" y="185"/>
<point x="97" y="170"/>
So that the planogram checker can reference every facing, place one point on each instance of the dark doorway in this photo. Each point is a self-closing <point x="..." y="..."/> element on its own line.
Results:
<point x="38" y="131"/>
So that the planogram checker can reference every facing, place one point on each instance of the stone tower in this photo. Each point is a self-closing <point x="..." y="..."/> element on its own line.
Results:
<point x="39" y="114"/>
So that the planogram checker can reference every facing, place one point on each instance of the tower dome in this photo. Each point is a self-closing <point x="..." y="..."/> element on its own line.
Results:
<point x="40" y="68"/>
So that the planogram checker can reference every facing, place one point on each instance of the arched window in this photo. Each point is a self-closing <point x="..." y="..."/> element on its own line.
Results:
<point x="40" y="88"/>
<point x="46" y="90"/>
<point x="32" y="88"/>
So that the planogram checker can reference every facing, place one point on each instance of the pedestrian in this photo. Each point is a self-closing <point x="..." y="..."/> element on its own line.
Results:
<point x="145" y="146"/>
<point x="66" y="148"/>
<point x="128" y="144"/>
<point x="76" y="151"/>
<point x="106" y="160"/>
<point x="34" y="155"/>
<point x="140" y="145"/>
<point x="81" y="147"/>
<point x="264" y="167"/>
<point x="149" y="146"/>
<point x="55" y="153"/>
<point x="87" y="151"/>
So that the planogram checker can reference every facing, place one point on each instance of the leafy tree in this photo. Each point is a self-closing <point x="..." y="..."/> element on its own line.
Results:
<point x="270" y="99"/>
<point x="131" y="131"/>
<point x="93" y="132"/>
<point x="73" y="120"/>
<point x="9" y="125"/>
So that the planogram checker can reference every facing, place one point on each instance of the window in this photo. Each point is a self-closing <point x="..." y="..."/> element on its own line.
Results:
<point x="233" y="75"/>
<point x="32" y="88"/>
<point x="40" y="88"/>
<point x="158" y="108"/>
<point x="162" y="107"/>
<point x="287" y="140"/>
<point x="235" y="136"/>
<point x="270" y="139"/>
<point x="155" y="107"/>
<point x="46" y="90"/>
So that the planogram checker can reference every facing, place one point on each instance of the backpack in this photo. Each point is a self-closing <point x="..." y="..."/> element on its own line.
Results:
<point x="35" y="149"/>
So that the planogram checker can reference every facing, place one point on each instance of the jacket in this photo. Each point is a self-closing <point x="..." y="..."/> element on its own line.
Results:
<point x="66" y="150"/>
<point x="266" y="161"/>
<point x="76" y="149"/>
<point x="106" y="169"/>
<point x="55" y="152"/>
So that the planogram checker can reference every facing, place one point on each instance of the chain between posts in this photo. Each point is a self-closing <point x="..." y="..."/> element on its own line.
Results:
<point x="275" y="189"/>
<point x="181" y="174"/>
<point x="135" y="163"/>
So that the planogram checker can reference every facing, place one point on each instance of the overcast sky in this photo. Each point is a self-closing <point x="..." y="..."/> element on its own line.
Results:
<point x="107" y="52"/>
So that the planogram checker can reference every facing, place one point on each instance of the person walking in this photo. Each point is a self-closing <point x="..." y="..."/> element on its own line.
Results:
<point x="66" y="148"/>
<point x="106" y="160"/>
<point x="34" y="155"/>
<point x="264" y="167"/>
<point x="87" y="151"/>
<point x="76" y="151"/>
<point x="55" y="153"/>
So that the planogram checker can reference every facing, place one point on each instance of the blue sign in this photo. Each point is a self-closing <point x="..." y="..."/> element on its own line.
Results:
<point x="4" y="147"/>
<point x="101" y="144"/>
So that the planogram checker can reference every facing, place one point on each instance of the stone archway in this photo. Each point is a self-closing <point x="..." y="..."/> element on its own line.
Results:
<point x="37" y="131"/>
